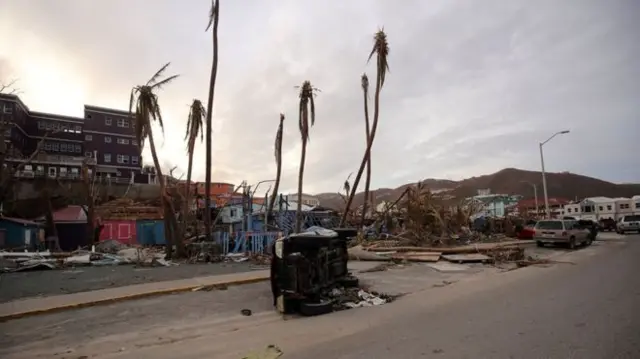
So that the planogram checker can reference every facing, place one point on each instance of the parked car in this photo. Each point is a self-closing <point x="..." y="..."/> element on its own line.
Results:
<point x="306" y="266"/>
<point x="560" y="231"/>
<point x="607" y="224"/>
<point x="629" y="223"/>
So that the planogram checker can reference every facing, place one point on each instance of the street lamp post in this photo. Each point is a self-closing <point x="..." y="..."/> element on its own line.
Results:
<point x="544" y="180"/>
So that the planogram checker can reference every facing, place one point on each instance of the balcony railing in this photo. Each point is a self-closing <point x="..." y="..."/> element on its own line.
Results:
<point x="68" y="160"/>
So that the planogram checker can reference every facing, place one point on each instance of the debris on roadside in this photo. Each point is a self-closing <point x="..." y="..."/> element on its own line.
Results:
<point x="349" y="298"/>
<point x="270" y="352"/>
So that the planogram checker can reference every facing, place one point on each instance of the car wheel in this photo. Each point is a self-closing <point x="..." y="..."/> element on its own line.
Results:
<point x="572" y="243"/>
<point x="539" y="244"/>
<point x="309" y="309"/>
<point x="349" y="282"/>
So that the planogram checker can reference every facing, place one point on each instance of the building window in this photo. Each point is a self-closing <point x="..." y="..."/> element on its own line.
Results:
<point x="28" y="168"/>
<point x="123" y="123"/>
<point x="63" y="147"/>
<point x="107" y="157"/>
<point x="637" y="204"/>
<point x="88" y="138"/>
<point x="107" y="121"/>
<point x="123" y="141"/>
<point x="7" y="109"/>
<point x="78" y="129"/>
<point x="77" y="149"/>
<point x="88" y="117"/>
<point x="56" y="126"/>
<point x="134" y="160"/>
<point x="56" y="147"/>
<point x="107" y="139"/>
<point x="608" y="207"/>
<point x="568" y="210"/>
<point x="600" y="208"/>
<point x="88" y="154"/>
<point x="123" y="159"/>
<point x="41" y="125"/>
<point x="49" y="126"/>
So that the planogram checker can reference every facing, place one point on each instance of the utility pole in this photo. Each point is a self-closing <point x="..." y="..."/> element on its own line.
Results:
<point x="544" y="180"/>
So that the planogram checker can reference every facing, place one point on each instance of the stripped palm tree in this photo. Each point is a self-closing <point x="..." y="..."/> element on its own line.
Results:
<point x="213" y="23"/>
<point x="367" y="181"/>
<point x="306" y="108"/>
<point x="278" y="156"/>
<point x="381" y="49"/>
<point x="194" y="129"/>
<point x="144" y="102"/>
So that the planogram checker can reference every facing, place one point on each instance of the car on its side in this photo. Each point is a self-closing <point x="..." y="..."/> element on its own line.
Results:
<point x="629" y="223"/>
<point x="562" y="231"/>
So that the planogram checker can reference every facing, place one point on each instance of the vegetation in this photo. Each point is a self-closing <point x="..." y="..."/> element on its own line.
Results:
<point x="367" y="182"/>
<point x="213" y="23"/>
<point x="381" y="49"/>
<point x="306" y="109"/>
<point x="278" y="156"/>
<point x="147" y="110"/>
<point x="194" y="130"/>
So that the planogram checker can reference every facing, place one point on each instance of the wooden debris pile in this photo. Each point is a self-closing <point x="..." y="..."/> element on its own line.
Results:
<point x="127" y="209"/>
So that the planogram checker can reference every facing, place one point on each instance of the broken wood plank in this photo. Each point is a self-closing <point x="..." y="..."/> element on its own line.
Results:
<point x="418" y="257"/>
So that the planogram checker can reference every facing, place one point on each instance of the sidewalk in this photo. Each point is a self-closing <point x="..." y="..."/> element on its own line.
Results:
<point x="25" y="307"/>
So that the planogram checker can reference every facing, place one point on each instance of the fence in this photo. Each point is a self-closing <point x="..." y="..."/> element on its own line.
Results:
<point x="243" y="242"/>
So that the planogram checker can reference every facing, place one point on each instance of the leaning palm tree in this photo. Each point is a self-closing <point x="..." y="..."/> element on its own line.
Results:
<point x="381" y="48"/>
<point x="213" y="22"/>
<point x="278" y="155"/>
<point x="194" y="130"/>
<point x="147" y="110"/>
<point x="306" y="107"/>
<point x="367" y="181"/>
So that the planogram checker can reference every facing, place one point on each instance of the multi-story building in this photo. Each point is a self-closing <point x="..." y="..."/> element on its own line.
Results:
<point x="307" y="199"/>
<point x="104" y="139"/>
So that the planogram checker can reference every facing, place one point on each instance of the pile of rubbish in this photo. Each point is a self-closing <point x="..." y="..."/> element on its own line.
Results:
<point x="348" y="298"/>
<point x="105" y="254"/>
<point x="128" y="209"/>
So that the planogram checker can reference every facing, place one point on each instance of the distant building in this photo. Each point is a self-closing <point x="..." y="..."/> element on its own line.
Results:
<point x="307" y="199"/>
<point x="104" y="139"/>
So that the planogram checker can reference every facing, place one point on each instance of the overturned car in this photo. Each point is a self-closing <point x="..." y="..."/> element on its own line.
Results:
<point x="306" y="266"/>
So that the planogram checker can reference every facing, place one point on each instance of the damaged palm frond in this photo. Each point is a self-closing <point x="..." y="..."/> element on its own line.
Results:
<point x="145" y="109"/>
<point x="381" y="49"/>
<point x="306" y="112"/>
<point x="278" y="156"/>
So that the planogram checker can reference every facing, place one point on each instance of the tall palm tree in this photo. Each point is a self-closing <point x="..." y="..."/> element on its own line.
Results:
<point x="278" y="155"/>
<point x="367" y="182"/>
<point x="213" y="22"/>
<point x="306" y="107"/>
<point x="147" y="110"/>
<point x="194" y="128"/>
<point x="381" y="49"/>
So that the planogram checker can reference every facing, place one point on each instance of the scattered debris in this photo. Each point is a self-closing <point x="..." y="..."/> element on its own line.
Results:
<point x="270" y="352"/>
<point x="348" y="298"/>
<point x="246" y="312"/>
<point x="466" y="258"/>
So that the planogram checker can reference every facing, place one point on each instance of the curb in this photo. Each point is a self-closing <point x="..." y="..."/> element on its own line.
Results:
<point x="155" y="293"/>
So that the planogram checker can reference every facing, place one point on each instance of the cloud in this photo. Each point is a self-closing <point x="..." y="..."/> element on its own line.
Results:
<point x="473" y="87"/>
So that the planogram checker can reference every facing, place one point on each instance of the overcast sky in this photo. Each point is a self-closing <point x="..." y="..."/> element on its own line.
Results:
<point x="474" y="86"/>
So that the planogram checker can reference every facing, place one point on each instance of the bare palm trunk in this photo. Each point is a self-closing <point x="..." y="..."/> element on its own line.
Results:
<point x="187" y="199"/>
<point x="367" y="182"/>
<point x="299" y="215"/>
<point x="166" y="205"/>
<point x="276" y="186"/>
<point x="367" y="153"/>
<point x="212" y="84"/>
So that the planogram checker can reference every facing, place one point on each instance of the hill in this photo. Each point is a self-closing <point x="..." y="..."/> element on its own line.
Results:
<point x="508" y="181"/>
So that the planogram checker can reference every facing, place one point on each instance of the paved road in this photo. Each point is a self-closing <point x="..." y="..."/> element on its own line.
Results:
<point x="586" y="310"/>
<point x="51" y="282"/>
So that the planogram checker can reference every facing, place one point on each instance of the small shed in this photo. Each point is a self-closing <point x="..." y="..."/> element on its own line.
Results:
<point x="120" y="219"/>
<point x="17" y="233"/>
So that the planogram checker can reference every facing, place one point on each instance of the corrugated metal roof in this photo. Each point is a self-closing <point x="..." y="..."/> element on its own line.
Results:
<point x="22" y="221"/>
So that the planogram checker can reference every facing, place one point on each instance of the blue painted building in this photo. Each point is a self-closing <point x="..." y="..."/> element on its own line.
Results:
<point x="17" y="233"/>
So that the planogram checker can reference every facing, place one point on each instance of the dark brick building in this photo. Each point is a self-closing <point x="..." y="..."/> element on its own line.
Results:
<point x="104" y="138"/>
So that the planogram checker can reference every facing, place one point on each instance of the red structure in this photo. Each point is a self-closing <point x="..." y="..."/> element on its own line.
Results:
<point x="124" y="231"/>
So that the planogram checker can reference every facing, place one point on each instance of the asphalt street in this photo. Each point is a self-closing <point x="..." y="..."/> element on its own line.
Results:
<point x="586" y="306"/>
